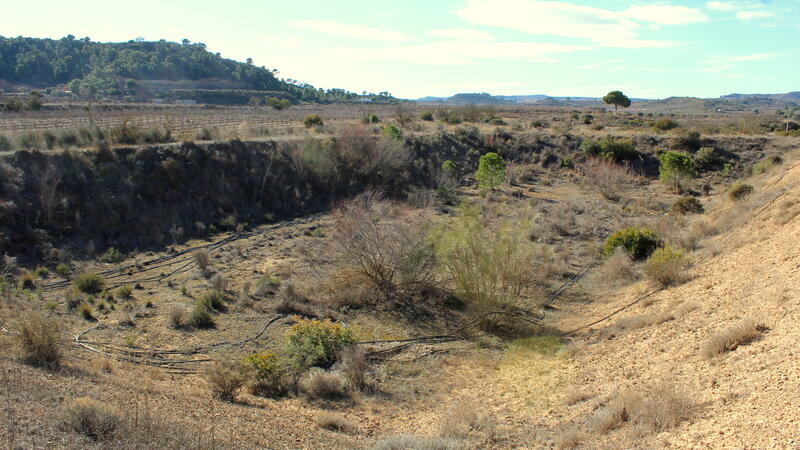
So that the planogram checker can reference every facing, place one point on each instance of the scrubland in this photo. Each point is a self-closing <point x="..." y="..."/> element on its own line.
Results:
<point x="605" y="281"/>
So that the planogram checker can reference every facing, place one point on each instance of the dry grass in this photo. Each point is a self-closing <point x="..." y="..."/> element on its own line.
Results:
<point x="177" y="317"/>
<point x="570" y="438"/>
<point x="38" y="340"/>
<point x="576" y="396"/>
<point x="336" y="422"/>
<point x="618" y="270"/>
<point x="405" y="442"/>
<point x="467" y="420"/>
<point x="353" y="364"/>
<point x="224" y="380"/>
<point x="319" y="384"/>
<point x="659" y="408"/>
<point x="728" y="340"/>
<point x="90" y="417"/>
<point x="607" y="177"/>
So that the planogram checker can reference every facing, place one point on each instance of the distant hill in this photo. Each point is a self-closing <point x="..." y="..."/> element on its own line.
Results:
<point x="139" y="69"/>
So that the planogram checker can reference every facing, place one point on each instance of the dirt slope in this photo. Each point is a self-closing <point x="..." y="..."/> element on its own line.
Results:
<point x="749" y="397"/>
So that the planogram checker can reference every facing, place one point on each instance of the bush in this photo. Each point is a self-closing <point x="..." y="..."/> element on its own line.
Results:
<point x="688" y="141"/>
<point x="5" y="143"/>
<point x="687" y="205"/>
<point x="177" y="317"/>
<point x="739" y="191"/>
<point x="38" y="339"/>
<point x="426" y="116"/>
<point x="665" y="124"/>
<point x="313" y="120"/>
<point x="213" y="300"/>
<point x="618" y="269"/>
<point x="491" y="171"/>
<point x="392" y="132"/>
<point x="63" y="270"/>
<point x="612" y="148"/>
<point x="316" y="343"/>
<point x="89" y="282"/>
<point x="405" y="442"/>
<point x="267" y="375"/>
<point x="320" y="384"/>
<point x="640" y="243"/>
<point x="667" y="266"/>
<point x="728" y="340"/>
<point x="674" y="167"/>
<point x="86" y="311"/>
<point x="224" y="380"/>
<point x="111" y="256"/>
<point x="336" y="422"/>
<point x="125" y="291"/>
<point x="201" y="316"/>
<point x="90" y="417"/>
<point x="707" y="158"/>
<point x="26" y="280"/>
<point x="606" y="177"/>
<point x="493" y="267"/>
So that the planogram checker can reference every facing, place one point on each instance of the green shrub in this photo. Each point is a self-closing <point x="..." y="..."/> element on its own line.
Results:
<point x="89" y="282"/>
<point x="30" y="140"/>
<point x="766" y="164"/>
<point x="612" y="148"/>
<point x="687" y="205"/>
<point x="675" y="167"/>
<point x="666" y="266"/>
<point x="426" y="116"/>
<point x="491" y="171"/>
<point x="38" y="339"/>
<point x="707" y="158"/>
<point x="639" y="243"/>
<point x="313" y="120"/>
<point x="214" y="300"/>
<point x="200" y="316"/>
<point x="125" y="291"/>
<point x="86" y="311"/>
<point x="665" y="124"/>
<point x="392" y="132"/>
<point x="63" y="269"/>
<point x="5" y="143"/>
<point x="316" y="343"/>
<point x="689" y="140"/>
<point x="112" y="256"/>
<point x="739" y="191"/>
<point x="91" y="418"/>
<point x="26" y="280"/>
<point x="267" y="374"/>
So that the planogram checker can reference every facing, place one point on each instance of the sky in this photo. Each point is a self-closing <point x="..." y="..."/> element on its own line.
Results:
<point x="416" y="48"/>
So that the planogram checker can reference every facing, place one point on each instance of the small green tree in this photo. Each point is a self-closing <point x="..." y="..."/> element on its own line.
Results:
<point x="313" y="120"/>
<point x="675" y="167"/>
<point x="491" y="171"/>
<point x="617" y="98"/>
<point x="392" y="132"/>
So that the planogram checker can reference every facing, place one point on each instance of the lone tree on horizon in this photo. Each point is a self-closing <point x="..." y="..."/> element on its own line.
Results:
<point x="617" y="98"/>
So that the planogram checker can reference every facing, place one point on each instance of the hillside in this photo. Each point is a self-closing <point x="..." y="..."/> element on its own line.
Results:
<point x="137" y="70"/>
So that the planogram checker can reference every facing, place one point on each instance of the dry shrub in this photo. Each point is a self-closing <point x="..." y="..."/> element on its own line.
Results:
<point x="570" y="438"/>
<point x="618" y="270"/>
<point x="90" y="417"/>
<point x="656" y="409"/>
<point x="739" y="191"/>
<point x="576" y="396"/>
<point x="788" y="211"/>
<point x="375" y="241"/>
<point x="38" y="340"/>
<point x="224" y="380"/>
<point x="320" y="384"/>
<point x="491" y="264"/>
<point x="406" y="442"/>
<point x="667" y="266"/>
<point x="177" y="317"/>
<point x="607" y="177"/>
<point x="685" y="308"/>
<point x="202" y="257"/>
<point x="728" y="340"/>
<point x="336" y="422"/>
<point x="467" y="420"/>
<point x="636" y="322"/>
<point x="353" y="364"/>
<point x="359" y="156"/>
<point x="218" y="283"/>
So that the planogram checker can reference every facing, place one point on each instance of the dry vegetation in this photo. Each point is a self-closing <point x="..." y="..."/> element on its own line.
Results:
<point x="406" y="307"/>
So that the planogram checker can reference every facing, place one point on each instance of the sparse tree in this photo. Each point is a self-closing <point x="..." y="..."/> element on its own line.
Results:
<point x="675" y="167"/>
<point x="491" y="171"/>
<point x="617" y="98"/>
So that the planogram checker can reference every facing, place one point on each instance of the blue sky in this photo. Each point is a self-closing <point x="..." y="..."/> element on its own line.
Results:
<point x="413" y="48"/>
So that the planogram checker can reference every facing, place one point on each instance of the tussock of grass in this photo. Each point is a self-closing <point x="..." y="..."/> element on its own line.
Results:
<point x="336" y="422"/>
<point x="224" y="381"/>
<point x="657" y="409"/>
<point x="38" y="340"/>
<point x="465" y="419"/>
<point x="730" y="339"/>
<point x="90" y="417"/>
<point x="320" y="384"/>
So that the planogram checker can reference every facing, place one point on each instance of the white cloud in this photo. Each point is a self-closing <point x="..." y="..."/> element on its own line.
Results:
<point x="604" y="27"/>
<point x="726" y="62"/>
<point x="462" y="34"/>
<point x="733" y="6"/>
<point x="290" y="42"/>
<point x="665" y="15"/>
<point x="456" y="52"/>
<point x="755" y="15"/>
<point x="353" y="31"/>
